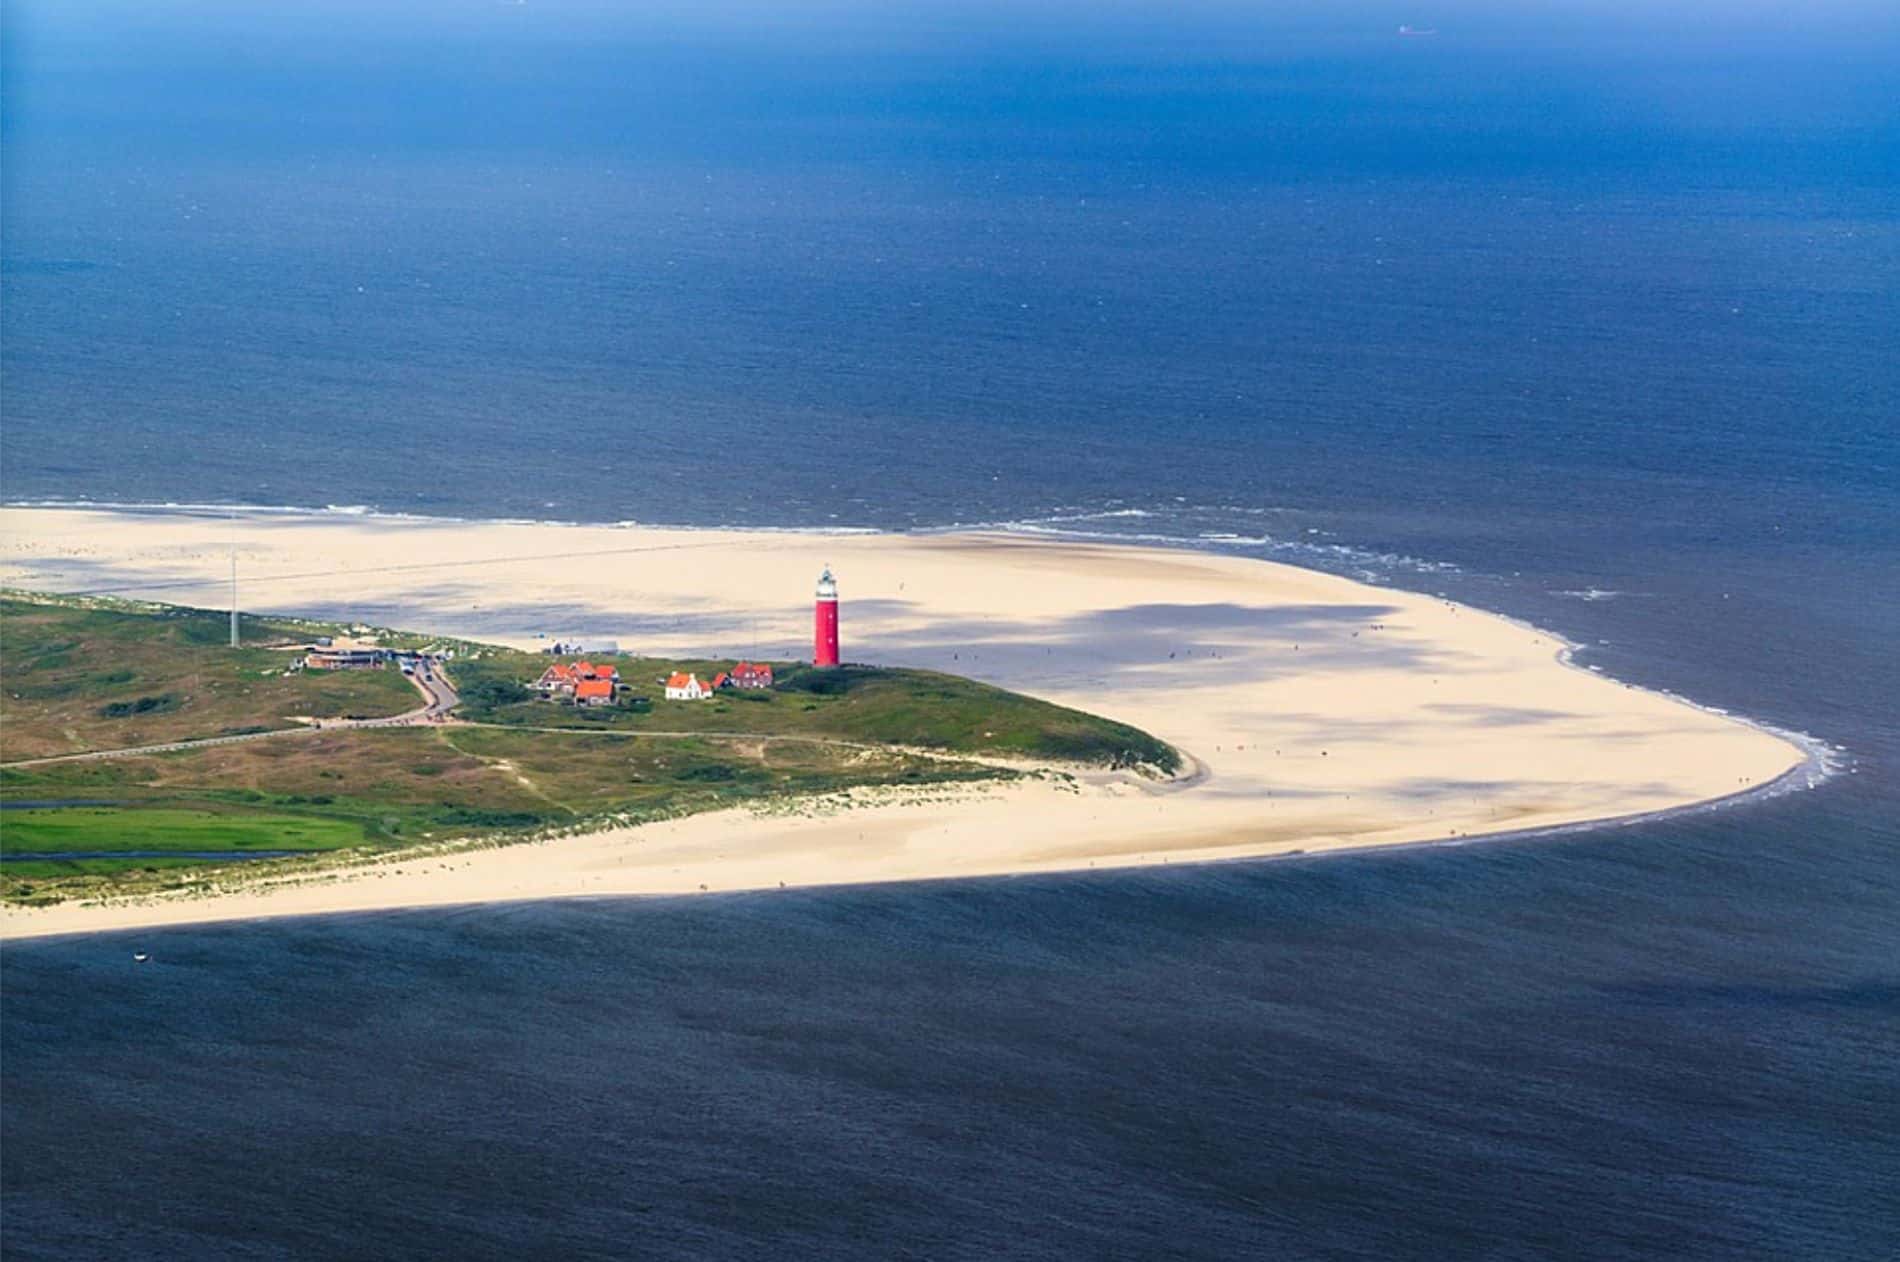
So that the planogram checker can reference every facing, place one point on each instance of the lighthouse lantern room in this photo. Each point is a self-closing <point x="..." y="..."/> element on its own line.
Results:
<point x="824" y="648"/>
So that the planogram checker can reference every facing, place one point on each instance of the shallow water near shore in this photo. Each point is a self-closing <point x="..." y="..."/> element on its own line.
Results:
<point x="1601" y="348"/>
<point x="1629" y="1046"/>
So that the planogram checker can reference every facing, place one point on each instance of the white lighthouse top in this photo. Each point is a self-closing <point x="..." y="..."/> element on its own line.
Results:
<point x="827" y="586"/>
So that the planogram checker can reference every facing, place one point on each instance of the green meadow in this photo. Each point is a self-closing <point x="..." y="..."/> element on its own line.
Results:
<point x="82" y="676"/>
<point x="97" y="830"/>
<point x="89" y="676"/>
<point x="915" y="708"/>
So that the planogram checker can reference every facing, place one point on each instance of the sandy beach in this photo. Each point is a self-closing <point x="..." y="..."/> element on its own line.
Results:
<point x="1321" y="713"/>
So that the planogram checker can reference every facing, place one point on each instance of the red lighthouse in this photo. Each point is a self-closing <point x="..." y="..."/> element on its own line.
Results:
<point x="824" y="643"/>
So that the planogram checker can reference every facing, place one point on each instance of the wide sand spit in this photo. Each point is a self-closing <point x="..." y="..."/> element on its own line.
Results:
<point x="1316" y="713"/>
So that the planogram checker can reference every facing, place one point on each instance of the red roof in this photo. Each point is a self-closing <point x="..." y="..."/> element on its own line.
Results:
<point x="593" y="688"/>
<point x="569" y="672"/>
<point x="719" y="680"/>
<point x="677" y="679"/>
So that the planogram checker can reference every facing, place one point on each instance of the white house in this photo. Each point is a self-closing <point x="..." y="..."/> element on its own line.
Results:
<point x="681" y="687"/>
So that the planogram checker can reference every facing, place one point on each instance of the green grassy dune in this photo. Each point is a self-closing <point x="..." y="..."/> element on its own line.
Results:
<point x="79" y="676"/>
<point x="915" y="708"/>
<point x="104" y="829"/>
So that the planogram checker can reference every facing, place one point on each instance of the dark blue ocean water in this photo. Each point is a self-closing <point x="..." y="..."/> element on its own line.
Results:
<point x="1589" y="317"/>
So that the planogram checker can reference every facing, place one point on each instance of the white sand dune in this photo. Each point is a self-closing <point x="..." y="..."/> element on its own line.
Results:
<point x="1325" y="713"/>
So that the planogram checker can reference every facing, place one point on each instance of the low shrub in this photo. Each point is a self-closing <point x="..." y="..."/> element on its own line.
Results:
<point x="143" y="705"/>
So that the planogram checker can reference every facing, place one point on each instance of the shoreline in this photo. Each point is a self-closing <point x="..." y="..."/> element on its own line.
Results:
<point x="1450" y="723"/>
<point x="1775" y="788"/>
<point x="1058" y="526"/>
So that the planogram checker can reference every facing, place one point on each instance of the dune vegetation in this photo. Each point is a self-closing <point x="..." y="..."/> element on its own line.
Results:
<point x="83" y="677"/>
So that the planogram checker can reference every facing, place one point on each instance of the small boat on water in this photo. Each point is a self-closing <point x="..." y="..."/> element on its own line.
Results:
<point x="139" y="957"/>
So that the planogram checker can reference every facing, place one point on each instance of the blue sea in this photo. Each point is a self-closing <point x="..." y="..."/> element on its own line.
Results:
<point x="1584" y="313"/>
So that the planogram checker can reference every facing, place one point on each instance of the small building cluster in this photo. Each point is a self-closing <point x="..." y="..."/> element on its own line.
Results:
<point x="364" y="653"/>
<point x="686" y="686"/>
<point x="331" y="657"/>
<point x="563" y="648"/>
<point x="583" y="683"/>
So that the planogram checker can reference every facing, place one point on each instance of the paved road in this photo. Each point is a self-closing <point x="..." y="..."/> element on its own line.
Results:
<point x="439" y="697"/>
<point x="439" y="691"/>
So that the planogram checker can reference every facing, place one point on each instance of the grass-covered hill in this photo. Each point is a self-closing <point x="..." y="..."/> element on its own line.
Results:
<point x="72" y="675"/>
<point x="915" y="708"/>
<point x="84" y="675"/>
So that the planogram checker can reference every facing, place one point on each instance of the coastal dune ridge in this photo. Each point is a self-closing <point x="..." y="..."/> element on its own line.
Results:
<point x="1316" y="713"/>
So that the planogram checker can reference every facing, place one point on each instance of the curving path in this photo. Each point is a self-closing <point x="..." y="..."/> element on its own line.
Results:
<point x="439" y="697"/>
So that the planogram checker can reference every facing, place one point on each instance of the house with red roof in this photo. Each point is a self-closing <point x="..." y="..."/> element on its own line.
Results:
<point x="750" y="675"/>
<point x="594" y="692"/>
<point x="681" y="686"/>
<point x="564" y="679"/>
<point x="557" y="680"/>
